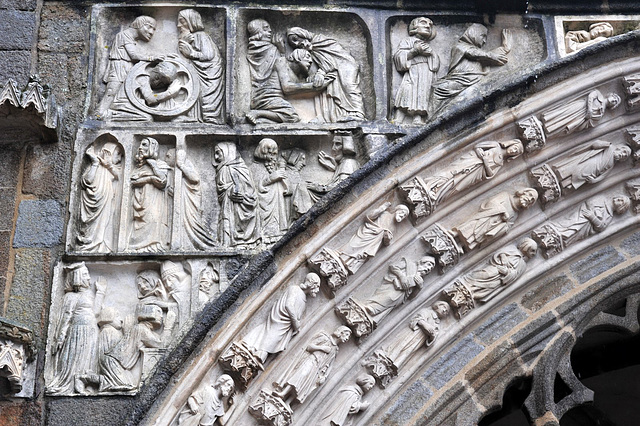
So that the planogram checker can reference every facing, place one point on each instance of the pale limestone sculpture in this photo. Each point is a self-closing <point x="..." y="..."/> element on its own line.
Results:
<point x="342" y="100"/>
<point x="482" y="163"/>
<point x="178" y="284"/>
<point x="342" y="163"/>
<point x="312" y="367"/>
<point x="272" y="185"/>
<point x="578" y="40"/>
<point x="100" y="188"/>
<point x="151" y="291"/>
<point x="205" y="406"/>
<point x="484" y="283"/>
<point x="593" y="216"/>
<point x="208" y="284"/>
<point x="125" y="51"/>
<point x="532" y="133"/>
<point x="191" y="200"/>
<point x="12" y="359"/>
<point x="469" y="63"/>
<point x="348" y="401"/>
<point x="75" y="348"/>
<point x="284" y="320"/>
<point x="299" y="201"/>
<point x="151" y="204"/>
<point x="496" y="217"/>
<point x="579" y="114"/>
<point x="238" y="223"/>
<point x="419" y="64"/>
<point x="196" y="45"/>
<point x="589" y="163"/>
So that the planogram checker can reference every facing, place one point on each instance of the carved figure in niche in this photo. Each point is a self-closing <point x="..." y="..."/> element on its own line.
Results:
<point x="469" y="63"/>
<point x="300" y="200"/>
<point x="284" y="319"/>
<point x="125" y="51"/>
<point x="578" y="114"/>
<point x="578" y="40"/>
<point x="238" y="223"/>
<point x="400" y="283"/>
<point x="75" y="350"/>
<point x="150" y="230"/>
<point x="205" y="406"/>
<point x="151" y="291"/>
<point x="348" y="401"/>
<point x="192" y="221"/>
<point x="98" y="198"/>
<point x="178" y="284"/>
<point x="342" y="100"/>
<point x="343" y="163"/>
<point x="272" y="187"/>
<point x="419" y="64"/>
<point x="196" y="45"/>
<point x="312" y="367"/>
<point x="209" y="280"/>
<point x="593" y="216"/>
<point x="484" y="283"/>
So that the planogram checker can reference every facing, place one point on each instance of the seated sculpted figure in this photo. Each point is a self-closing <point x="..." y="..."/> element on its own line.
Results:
<point x="578" y="40"/>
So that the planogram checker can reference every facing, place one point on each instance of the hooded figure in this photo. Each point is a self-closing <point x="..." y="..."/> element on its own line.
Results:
<point x="238" y="220"/>
<point x="196" y="45"/>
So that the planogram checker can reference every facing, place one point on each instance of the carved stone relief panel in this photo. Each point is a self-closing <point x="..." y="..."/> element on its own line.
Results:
<point x="17" y="360"/>
<point x="574" y="33"/>
<point x="293" y="69"/>
<point x="159" y="64"/>
<point x="436" y="58"/>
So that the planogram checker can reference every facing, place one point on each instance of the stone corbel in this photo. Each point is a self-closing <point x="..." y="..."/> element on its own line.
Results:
<point x="16" y="348"/>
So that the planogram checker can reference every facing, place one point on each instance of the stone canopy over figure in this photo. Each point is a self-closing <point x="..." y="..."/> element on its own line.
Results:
<point x="418" y="63"/>
<point x="579" y="114"/>
<point x="197" y="46"/>
<point x="205" y="406"/>
<point x="469" y="63"/>
<point x="495" y="218"/>
<point x="578" y="40"/>
<point x="98" y="200"/>
<point x="342" y="100"/>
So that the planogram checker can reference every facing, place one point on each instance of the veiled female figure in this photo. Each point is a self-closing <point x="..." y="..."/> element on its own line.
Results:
<point x="100" y="189"/>
<point x="579" y="114"/>
<point x="238" y="220"/>
<point x="196" y="45"/>
<point x="75" y="350"/>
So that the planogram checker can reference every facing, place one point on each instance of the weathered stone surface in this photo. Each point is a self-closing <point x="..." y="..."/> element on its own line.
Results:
<point x="46" y="171"/>
<point x="10" y="164"/>
<point x="53" y="67"/>
<point x="596" y="263"/>
<point x="83" y="411"/>
<point x="450" y="363"/>
<point x="500" y="323"/>
<point x="547" y="290"/>
<point x="63" y="29"/>
<point x="631" y="244"/>
<point x="5" y="245"/>
<point x="408" y="404"/>
<point x="7" y="206"/>
<point x="454" y="407"/>
<point x="15" y="64"/>
<point x="39" y="224"/>
<point x="533" y="337"/>
<point x="18" y="29"/>
<point x="18" y="4"/>
<point x="28" y="289"/>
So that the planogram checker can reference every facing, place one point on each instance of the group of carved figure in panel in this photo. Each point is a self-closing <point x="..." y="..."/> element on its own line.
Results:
<point x="256" y="205"/>
<point x="588" y="163"/>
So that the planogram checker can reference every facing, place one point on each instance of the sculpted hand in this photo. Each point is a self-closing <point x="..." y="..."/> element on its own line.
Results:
<point x="236" y="197"/>
<point x="277" y="175"/>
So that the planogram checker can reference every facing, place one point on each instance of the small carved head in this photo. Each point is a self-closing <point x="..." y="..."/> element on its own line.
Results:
<point x="514" y="148"/>
<point x="259" y="29"/>
<point x="223" y="153"/>
<point x="189" y="20"/>
<point x="342" y="333"/>
<point x="613" y="100"/>
<point x="526" y="197"/>
<point x="148" y="148"/>
<point x="423" y="28"/>
<point x="366" y="382"/>
<point x="621" y="204"/>
<point x="146" y="26"/>
<point x="110" y="316"/>
<point x="149" y="283"/>
<point x="442" y="309"/>
<point x="311" y="284"/>
<point x="401" y="212"/>
<point x="162" y="75"/>
<point x="295" y="158"/>
<point x="299" y="38"/>
<point x="476" y="34"/>
<point x="621" y="153"/>
<point x="426" y="264"/>
<point x="267" y="150"/>
<point x="112" y="153"/>
<point x="225" y="385"/>
<point x="208" y="277"/>
<point x="302" y="60"/>
<point x="78" y="278"/>
<point x="172" y="273"/>
<point x="528" y="247"/>
<point x="600" y="29"/>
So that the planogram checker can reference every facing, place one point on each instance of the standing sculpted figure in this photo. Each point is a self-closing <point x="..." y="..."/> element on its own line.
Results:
<point x="342" y="101"/>
<point x="469" y="63"/>
<point x="75" y="350"/>
<point x="238" y="222"/>
<point x="208" y="284"/>
<point x="578" y="114"/>
<point x="313" y="366"/>
<point x="98" y="198"/>
<point x="196" y="45"/>
<point x="300" y="200"/>
<point x="284" y="320"/>
<point x="348" y="401"/>
<point x="151" y="291"/>
<point x="495" y="218"/>
<point x="578" y="40"/>
<point x="125" y="51"/>
<point x="272" y="185"/>
<point x="342" y="163"/>
<point x="178" y="284"/>
<point x="205" y="406"/>
<point x="150" y="231"/>
<point x="198" y="233"/>
<point x="416" y="60"/>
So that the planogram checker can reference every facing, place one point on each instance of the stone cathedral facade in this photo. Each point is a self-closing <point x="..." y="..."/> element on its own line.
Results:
<point x="338" y="213"/>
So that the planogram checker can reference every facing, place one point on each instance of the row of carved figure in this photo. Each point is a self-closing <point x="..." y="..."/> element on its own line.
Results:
<point x="254" y="206"/>
<point x="99" y="348"/>
<point x="144" y="86"/>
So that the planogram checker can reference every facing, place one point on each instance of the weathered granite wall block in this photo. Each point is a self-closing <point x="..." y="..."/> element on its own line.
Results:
<point x="450" y="363"/>
<point x="39" y="224"/>
<point x="18" y="29"/>
<point x="596" y="263"/>
<point x="500" y="323"/>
